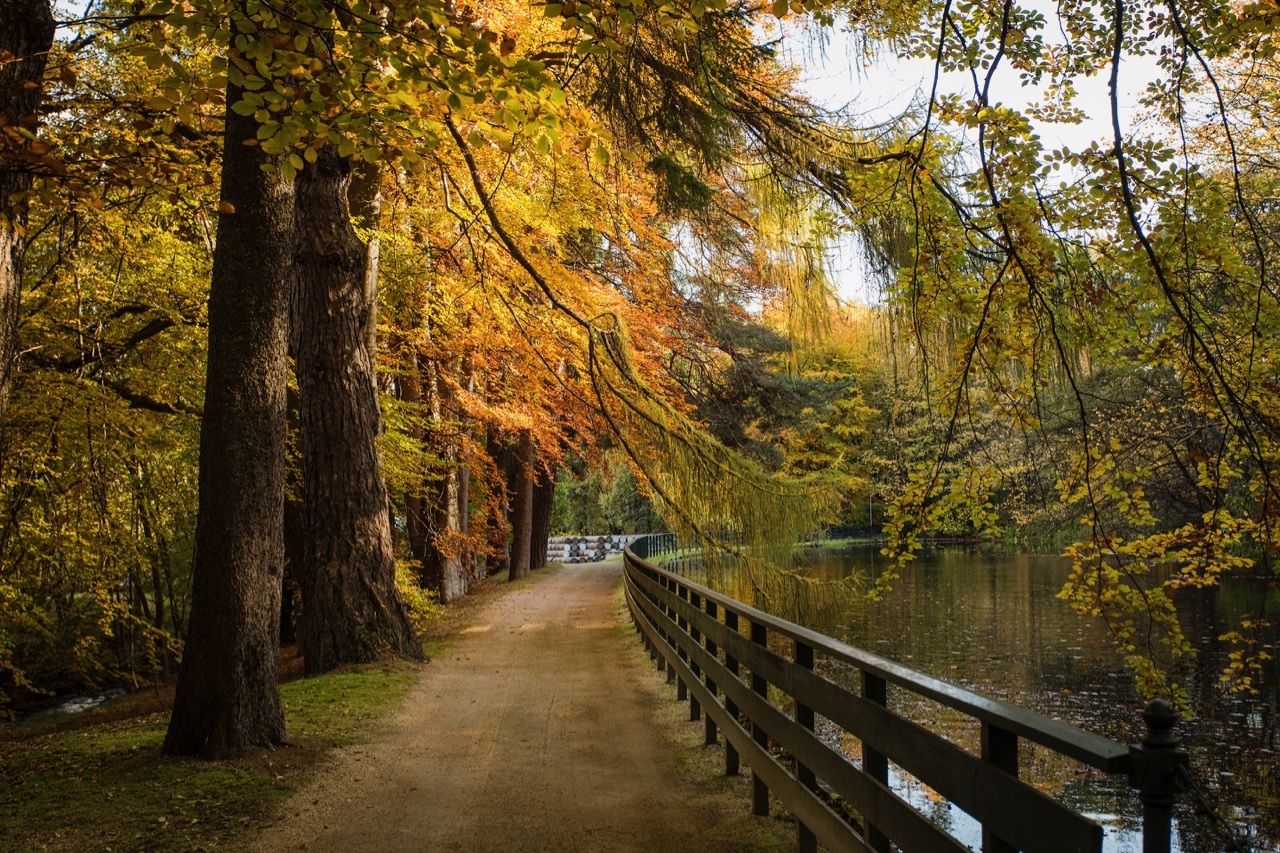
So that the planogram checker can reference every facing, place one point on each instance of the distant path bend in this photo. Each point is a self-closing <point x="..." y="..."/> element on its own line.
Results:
<point x="534" y="733"/>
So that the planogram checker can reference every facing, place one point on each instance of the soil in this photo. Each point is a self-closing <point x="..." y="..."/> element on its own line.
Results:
<point x="539" y="730"/>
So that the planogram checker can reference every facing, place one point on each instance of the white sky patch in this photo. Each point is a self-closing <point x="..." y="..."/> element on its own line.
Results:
<point x="878" y="88"/>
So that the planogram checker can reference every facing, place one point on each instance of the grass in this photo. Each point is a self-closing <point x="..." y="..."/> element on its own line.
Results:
<point x="103" y="784"/>
<point x="97" y="780"/>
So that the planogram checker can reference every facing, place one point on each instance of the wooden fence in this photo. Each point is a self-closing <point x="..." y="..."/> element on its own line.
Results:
<point x="723" y="657"/>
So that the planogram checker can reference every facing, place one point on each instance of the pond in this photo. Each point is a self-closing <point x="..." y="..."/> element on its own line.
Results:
<point x="992" y="622"/>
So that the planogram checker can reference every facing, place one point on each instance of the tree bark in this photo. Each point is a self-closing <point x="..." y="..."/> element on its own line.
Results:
<point x="499" y="533"/>
<point x="443" y="566"/>
<point x="522" y="511"/>
<point x="227" y="697"/>
<point x="351" y="609"/>
<point x="295" y="534"/>
<point x="26" y="35"/>
<point x="366" y="207"/>
<point x="468" y="558"/>
<point x="544" y="490"/>
<point x="415" y="508"/>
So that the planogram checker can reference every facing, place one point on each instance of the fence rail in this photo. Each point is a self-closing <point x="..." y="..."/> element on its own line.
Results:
<point x="718" y="652"/>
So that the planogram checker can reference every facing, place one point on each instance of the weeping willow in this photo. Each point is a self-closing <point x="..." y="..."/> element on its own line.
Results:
<point x="794" y="237"/>
<point x="711" y="494"/>
<point x="787" y="594"/>
<point x="723" y="501"/>
<point x="698" y="108"/>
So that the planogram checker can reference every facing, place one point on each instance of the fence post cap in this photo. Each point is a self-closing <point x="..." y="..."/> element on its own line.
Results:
<point x="1160" y="719"/>
<point x="1157" y="764"/>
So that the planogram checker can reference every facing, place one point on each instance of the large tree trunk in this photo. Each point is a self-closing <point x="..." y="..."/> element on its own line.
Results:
<point x="351" y="609"/>
<point x="522" y="511"/>
<point x="544" y="490"/>
<point x="26" y="34"/>
<point x="227" y="697"/>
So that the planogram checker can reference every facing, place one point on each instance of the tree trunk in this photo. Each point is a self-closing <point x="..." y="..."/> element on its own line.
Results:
<point x="26" y="34"/>
<point x="443" y="566"/>
<point x="522" y="511"/>
<point x="295" y="534"/>
<point x="544" y="490"/>
<point x="409" y="386"/>
<point x="366" y="207"/>
<point x="227" y="697"/>
<point x="498" y="535"/>
<point x="468" y="558"/>
<point x="351" y="609"/>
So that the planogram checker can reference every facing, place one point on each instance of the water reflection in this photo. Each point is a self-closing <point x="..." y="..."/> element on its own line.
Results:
<point x="992" y="622"/>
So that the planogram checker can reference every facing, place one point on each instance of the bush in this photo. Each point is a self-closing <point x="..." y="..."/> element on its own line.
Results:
<point x="423" y="605"/>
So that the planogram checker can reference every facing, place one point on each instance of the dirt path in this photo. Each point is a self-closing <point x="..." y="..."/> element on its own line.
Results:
<point x="534" y="733"/>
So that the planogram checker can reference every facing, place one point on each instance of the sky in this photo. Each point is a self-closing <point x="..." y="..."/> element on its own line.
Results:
<point x="838" y="77"/>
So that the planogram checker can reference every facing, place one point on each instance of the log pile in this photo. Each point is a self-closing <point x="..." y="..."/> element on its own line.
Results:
<point x="587" y="549"/>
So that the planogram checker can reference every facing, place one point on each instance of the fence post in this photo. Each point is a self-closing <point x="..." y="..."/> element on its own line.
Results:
<point x="665" y="582"/>
<point x="874" y="764"/>
<point x="682" y="593"/>
<point x="635" y="614"/>
<point x="731" y="664"/>
<point x="695" y="710"/>
<point x="807" y="842"/>
<point x="1000" y="749"/>
<point x="1153" y="770"/>
<point x="709" y="738"/>
<point x="760" y="791"/>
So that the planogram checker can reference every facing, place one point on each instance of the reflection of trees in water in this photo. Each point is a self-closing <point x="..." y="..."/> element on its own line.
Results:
<point x="797" y="596"/>
<point x="993" y="623"/>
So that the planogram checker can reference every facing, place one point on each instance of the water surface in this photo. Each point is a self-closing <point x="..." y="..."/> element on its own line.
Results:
<point x="992" y="622"/>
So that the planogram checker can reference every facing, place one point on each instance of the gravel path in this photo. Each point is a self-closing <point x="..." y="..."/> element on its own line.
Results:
<point x="535" y="732"/>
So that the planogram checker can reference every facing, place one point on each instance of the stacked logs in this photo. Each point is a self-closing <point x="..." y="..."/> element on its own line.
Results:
<point x="587" y="549"/>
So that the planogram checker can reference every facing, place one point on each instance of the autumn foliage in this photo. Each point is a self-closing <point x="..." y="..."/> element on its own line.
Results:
<point x="599" y="230"/>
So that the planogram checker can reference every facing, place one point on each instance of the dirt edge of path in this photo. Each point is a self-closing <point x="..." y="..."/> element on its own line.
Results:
<point x="699" y="765"/>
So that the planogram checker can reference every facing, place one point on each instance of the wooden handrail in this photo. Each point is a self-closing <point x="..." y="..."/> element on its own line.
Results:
<point x="703" y="639"/>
